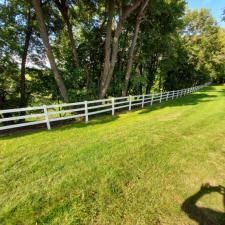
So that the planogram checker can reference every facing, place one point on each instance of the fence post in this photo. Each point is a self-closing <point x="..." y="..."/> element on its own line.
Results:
<point x="130" y="101"/>
<point x="167" y="96"/>
<point x="160" y="100"/>
<point x="46" y="117"/>
<point x="152" y="99"/>
<point x="173" y="95"/>
<point x="143" y="101"/>
<point x="86" y="111"/>
<point x="113" y="106"/>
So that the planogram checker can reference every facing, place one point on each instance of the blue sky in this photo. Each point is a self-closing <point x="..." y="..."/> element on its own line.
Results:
<point x="216" y="7"/>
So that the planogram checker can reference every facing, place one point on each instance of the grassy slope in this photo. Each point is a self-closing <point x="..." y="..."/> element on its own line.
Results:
<point x="137" y="168"/>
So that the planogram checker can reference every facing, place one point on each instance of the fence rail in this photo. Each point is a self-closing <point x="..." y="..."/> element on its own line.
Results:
<point x="22" y="117"/>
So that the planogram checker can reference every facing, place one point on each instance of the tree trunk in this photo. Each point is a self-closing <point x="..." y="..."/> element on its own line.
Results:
<point x="2" y="101"/>
<point x="108" y="38"/>
<point x="48" y="49"/>
<point x="109" y="64"/>
<point x="141" y="75"/>
<point x="150" y="79"/>
<point x="63" y="8"/>
<point x="132" y="47"/>
<point x="28" y="33"/>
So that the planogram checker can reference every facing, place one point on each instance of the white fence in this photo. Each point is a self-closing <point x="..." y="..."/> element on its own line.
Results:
<point x="51" y="113"/>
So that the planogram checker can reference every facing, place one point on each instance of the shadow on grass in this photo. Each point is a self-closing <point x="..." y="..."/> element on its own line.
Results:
<point x="192" y="99"/>
<point x="95" y="120"/>
<point x="202" y="215"/>
<point x="63" y="125"/>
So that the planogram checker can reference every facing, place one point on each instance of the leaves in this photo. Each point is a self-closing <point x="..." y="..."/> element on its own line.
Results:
<point x="174" y="49"/>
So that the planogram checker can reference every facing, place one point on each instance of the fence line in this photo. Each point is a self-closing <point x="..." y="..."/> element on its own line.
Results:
<point x="51" y="113"/>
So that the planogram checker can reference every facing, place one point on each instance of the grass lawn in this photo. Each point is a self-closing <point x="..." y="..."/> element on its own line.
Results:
<point x="141" y="167"/>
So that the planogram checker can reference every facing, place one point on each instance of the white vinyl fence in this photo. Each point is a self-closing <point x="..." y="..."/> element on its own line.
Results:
<point x="22" y="117"/>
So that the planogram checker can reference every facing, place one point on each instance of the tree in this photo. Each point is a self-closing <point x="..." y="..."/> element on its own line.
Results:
<point x="159" y="30"/>
<point x="111" y="51"/>
<point x="133" y="44"/>
<point x="104" y="48"/>
<point x="64" y="10"/>
<point x="48" y="49"/>
<point x="201" y="37"/>
<point x="28" y="33"/>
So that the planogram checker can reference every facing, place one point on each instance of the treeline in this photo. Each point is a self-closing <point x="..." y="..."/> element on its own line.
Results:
<point x="55" y="50"/>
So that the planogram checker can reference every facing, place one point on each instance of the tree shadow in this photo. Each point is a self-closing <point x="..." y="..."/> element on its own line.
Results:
<point x="192" y="99"/>
<point x="209" y="89"/>
<point x="95" y="120"/>
<point x="56" y="126"/>
<point x="202" y="215"/>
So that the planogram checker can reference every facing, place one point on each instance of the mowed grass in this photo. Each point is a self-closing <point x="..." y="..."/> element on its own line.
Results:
<point x="134" y="168"/>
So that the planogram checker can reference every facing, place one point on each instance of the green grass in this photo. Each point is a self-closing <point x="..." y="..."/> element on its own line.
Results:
<point x="134" y="168"/>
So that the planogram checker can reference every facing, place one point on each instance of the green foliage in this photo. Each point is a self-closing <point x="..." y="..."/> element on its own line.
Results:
<point x="8" y="83"/>
<point x="196" y="53"/>
<point x="175" y="49"/>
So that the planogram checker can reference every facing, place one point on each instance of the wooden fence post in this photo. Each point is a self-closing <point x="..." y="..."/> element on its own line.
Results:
<point x="152" y="99"/>
<point x="46" y="117"/>
<point x="113" y="106"/>
<point x="86" y="111"/>
<point x="130" y="102"/>
<point x="173" y="95"/>
<point x="160" y="100"/>
<point x="143" y="101"/>
<point x="167" y="96"/>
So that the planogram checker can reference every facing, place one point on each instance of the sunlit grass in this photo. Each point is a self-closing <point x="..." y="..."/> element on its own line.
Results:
<point x="134" y="168"/>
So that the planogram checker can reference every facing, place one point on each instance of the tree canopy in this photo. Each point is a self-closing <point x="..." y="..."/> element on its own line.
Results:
<point x="54" y="50"/>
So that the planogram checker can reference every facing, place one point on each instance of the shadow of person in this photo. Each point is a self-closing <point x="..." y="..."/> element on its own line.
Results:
<point x="204" y="216"/>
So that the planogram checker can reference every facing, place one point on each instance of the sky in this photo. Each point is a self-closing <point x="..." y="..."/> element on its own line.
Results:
<point x="216" y="7"/>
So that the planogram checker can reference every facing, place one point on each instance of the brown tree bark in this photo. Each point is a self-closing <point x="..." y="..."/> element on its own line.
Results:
<point x="48" y="49"/>
<point x="108" y="38"/>
<point x="64" y="10"/>
<point x="132" y="47"/>
<point x="28" y="33"/>
<point x="111" y="52"/>
<point x="152" y="68"/>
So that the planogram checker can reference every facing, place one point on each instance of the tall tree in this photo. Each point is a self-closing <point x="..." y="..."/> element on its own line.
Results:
<point x="17" y="27"/>
<point x="48" y="49"/>
<point x="111" y="49"/>
<point x="28" y="33"/>
<point x="64" y="10"/>
<point x="133" y="44"/>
